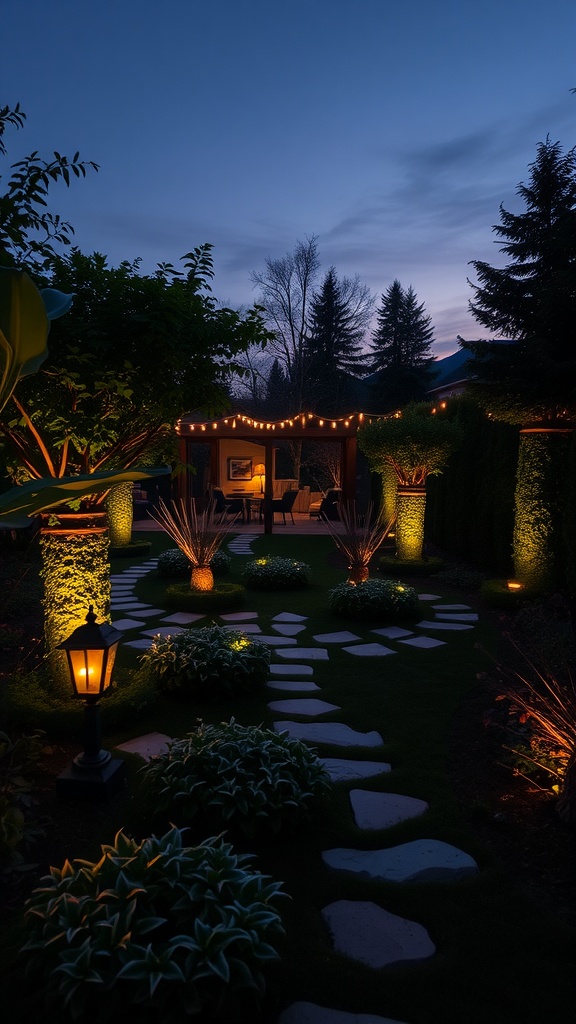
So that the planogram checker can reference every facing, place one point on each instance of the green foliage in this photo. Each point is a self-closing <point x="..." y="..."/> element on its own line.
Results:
<point x="222" y="597"/>
<point x="30" y="701"/>
<point x="275" y="573"/>
<point x="409" y="567"/>
<point x="243" y="776"/>
<point x="18" y="757"/>
<point x="207" y="661"/>
<point x="168" y="931"/>
<point x="174" y="563"/>
<point x="539" y="557"/>
<point x="401" y="350"/>
<point x="416" y="444"/>
<point x="496" y="594"/>
<point x="386" y="600"/>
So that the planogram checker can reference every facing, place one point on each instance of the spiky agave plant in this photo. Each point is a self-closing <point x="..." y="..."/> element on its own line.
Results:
<point x="198" y="536"/>
<point x="360" y="540"/>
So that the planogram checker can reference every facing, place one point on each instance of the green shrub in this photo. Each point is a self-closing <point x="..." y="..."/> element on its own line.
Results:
<point x="207" y="661"/>
<point x="409" y="567"/>
<point x="222" y="597"/>
<point x="275" y="573"/>
<point x="241" y="775"/>
<point x="18" y="757"/>
<point x="174" y="563"/>
<point x="374" y="599"/>
<point x="173" y="932"/>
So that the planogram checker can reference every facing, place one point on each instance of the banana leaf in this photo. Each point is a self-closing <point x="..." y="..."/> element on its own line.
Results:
<point x="20" y="503"/>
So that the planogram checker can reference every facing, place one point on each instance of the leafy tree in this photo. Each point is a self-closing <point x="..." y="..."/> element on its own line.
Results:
<point x="401" y="349"/>
<point x="339" y="316"/>
<point x="532" y="380"/>
<point x="28" y="230"/>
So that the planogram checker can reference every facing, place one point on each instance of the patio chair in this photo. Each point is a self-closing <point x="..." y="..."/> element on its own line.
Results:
<point x="226" y="506"/>
<point x="329" y="504"/>
<point x="285" y="504"/>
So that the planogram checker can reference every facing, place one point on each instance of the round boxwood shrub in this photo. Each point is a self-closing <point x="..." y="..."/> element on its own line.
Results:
<point x="237" y="775"/>
<point x="374" y="599"/>
<point x="170" y="932"/>
<point x="222" y="597"/>
<point x="409" y="567"/>
<point x="207" y="661"/>
<point x="275" y="573"/>
<point x="174" y="564"/>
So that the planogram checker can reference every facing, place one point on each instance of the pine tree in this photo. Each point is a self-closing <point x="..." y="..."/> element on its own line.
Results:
<point x="338" y="319"/>
<point x="401" y="349"/>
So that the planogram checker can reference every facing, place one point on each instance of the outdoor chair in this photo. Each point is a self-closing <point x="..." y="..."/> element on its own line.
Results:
<point x="329" y="504"/>
<point x="226" y="506"/>
<point x="284" y="504"/>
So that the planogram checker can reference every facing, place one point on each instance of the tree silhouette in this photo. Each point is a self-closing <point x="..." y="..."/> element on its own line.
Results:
<point x="401" y="349"/>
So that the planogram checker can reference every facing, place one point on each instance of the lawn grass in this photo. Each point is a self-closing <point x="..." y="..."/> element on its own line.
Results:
<point x="500" y="957"/>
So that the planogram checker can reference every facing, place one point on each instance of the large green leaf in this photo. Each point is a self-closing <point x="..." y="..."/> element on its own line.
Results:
<point x="19" y="503"/>
<point x="23" y="329"/>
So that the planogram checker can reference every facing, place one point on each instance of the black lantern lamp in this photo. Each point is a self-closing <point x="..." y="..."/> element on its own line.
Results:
<point x="90" y="653"/>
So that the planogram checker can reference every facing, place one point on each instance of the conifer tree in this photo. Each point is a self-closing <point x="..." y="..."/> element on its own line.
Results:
<point x="401" y="349"/>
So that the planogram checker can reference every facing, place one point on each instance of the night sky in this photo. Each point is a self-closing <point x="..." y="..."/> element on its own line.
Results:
<point x="391" y="131"/>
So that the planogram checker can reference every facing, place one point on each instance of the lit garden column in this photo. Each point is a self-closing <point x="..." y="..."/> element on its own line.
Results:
<point x="76" y="574"/>
<point x="120" y="508"/>
<point x="410" y="509"/>
<point x="537" y="540"/>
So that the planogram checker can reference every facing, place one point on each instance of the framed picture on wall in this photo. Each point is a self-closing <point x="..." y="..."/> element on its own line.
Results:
<point x="239" y="469"/>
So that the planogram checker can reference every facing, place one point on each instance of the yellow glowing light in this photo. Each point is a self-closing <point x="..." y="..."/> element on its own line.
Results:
<point x="514" y="585"/>
<point x="261" y="561"/>
<point x="321" y="423"/>
<point x="400" y="589"/>
<point x="240" y="644"/>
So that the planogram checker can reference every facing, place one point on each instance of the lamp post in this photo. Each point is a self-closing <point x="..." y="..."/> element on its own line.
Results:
<point x="90" y="653"/>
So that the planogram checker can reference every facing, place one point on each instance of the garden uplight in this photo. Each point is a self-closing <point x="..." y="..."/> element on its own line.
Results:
<point x="514" y="585"/>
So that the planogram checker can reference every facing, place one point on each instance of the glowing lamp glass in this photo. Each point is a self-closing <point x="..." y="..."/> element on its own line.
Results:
<point x="90" y="651"/>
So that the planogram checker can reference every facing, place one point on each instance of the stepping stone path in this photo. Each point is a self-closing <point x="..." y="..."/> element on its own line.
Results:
<point x="364" y="931"/>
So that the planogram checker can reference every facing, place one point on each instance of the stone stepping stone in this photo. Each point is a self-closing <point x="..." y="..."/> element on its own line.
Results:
<point x="452" y="607"/>
<point x="118" y="578"/>
<point x="343" y="770"/>
<point x="311" y="653"/>
<point x="369" y="650"/>
<point x="442" y="625"/>
<point x="383" y="810"/>
<point x="150" y="745"/>
<point x="428" y="597"/>
<point x="335" y="733"/>
<point x="424" y="642"/>
<point x="424" y="860"/>
<point x="458" y="616"/>
<point x="140" y="645"/>
<point x="370" y="935"/>
<point x="343" y="637"/>
<point x="163" y="631"/>
<point x="183" y="618"/>
<point x="287" y="629"/>
<point x="292" y="685"/>
<point x="247" y="627"/>
<point x="291" y="670"/>
<point x="307" y="706"/>
<point x="122" y="588"/>
<point x="146" y="612"/>
<point x="129" y="606"/>
<point x="392" y="632"/>
<point x="239" y="616"/>
<point x="290" y="617"/>
<point x="275" y="641"/>
<point x="123" y="624"/>
<point x="310" y="1013"/>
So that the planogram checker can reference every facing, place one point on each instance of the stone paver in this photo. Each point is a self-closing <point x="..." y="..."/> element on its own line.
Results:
<point x="443" y="625"/>
<point x="290" y="617"/>
<point x="247" y="627"/>
<point x="392" y="632"/>
<point x="423" y="860"/>
<point x="334" y="733"/>
<point x="239" y="616"/>
<point x="129" y="606"/>
<point x="123" y="624"/>
<point x="428" y="597"/>
<point x="311" y="1013"/>
<point x="306" y="706"/>
<point x="383" y="810"/>
<point x="150" y="745"/>
<point x="291" y="670"/>
<point x="369" y="650"/>
<point x="425" y="642"/>
<point x="452" y="607"/>
<point x="292" y="685"/>
<point x="163" y="631"/>
<point x="183" y="618"/>
<point x="344" y="636"/>
<point x="147" y="612"/>
<point x="458" y="616"/>
<point x="310" y="653"/>
<point x="275" y="641"/>
<point x="140" y="645"/>
<point x="342" y="769"/>
<point x="287" y="629"/>
<point x="370" y="935"/>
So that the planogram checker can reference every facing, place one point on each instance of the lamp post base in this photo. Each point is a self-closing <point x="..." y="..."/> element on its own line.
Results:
<point x="91" y="783"/>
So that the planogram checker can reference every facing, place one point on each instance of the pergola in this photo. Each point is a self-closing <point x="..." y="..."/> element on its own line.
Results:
<point x="303" y="427"/>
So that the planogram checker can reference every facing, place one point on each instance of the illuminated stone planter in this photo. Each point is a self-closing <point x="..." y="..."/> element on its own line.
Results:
<point x="120" y="514"/>
<point x="537" y="539"/>
<point x="411" y="508"/>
